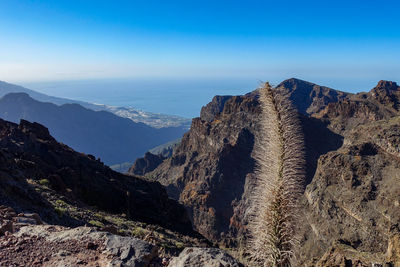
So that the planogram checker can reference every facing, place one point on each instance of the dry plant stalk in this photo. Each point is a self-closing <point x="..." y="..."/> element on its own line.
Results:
<point x="280" y="176"/>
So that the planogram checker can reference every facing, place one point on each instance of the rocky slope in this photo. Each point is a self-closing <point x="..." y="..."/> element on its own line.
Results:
<point x="29" y="156"/>
<point x="352" y="150"/>
<point x="26" y="241"/>
<point x="46" y="188"/>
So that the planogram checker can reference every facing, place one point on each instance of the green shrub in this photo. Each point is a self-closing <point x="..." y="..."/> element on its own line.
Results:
<point x="44" y="182"/>
<point x="139" y="232"/>
<point x="60" y="211"/>
<point x="96" y="223"/>
<point x="61" y="203"/>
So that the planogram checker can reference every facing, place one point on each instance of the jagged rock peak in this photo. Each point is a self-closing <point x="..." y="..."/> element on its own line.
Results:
<point x="292" y="82"/>
<point x="39" y="130"/>
<point x="310" y="98"/>
<point x="387" y="93"/>
<point x="388" y="85"/>
<point x="213" y="108"/>
<point x="146" y="164"/>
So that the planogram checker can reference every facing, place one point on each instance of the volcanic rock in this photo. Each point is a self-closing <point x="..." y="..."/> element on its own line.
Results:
<point x="29" y="153"/>
<point x="146" y="164"/>
<point x="351" y="200"/>
<point x="199" y="257"/>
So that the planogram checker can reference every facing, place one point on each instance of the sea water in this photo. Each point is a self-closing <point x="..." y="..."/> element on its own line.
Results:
<point x="183" y="97"/>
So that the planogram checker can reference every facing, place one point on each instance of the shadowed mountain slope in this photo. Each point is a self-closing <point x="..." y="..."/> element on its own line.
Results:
<point x="30" y="155"/>
<point x="103" y="134"/>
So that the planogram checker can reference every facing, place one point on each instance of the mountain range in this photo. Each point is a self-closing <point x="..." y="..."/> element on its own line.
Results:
<point x="350" y="207"/>
<point x="112" y="138"/>
<point x="155" y="120"/>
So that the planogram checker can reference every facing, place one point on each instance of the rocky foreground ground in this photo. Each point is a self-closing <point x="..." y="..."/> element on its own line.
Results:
<point x="26" y="241"/>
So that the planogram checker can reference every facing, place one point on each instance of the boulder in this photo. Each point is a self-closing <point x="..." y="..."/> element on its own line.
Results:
<point x="211" y="257"/>
<point x="130" y="251"/>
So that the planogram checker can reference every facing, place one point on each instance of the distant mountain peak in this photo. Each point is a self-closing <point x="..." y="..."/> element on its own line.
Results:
<point x="309" y="97"/>
<point x="388" y="85"/>
<point x="290" y="83"/>
<point x="387" y="93"/>
<point x="17" y="95"/>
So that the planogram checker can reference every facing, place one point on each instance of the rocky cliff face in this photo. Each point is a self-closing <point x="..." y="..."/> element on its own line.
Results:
<point x="30" y="156"/>
<point x="146" y="164"/>
<point x="352" y="150"/>
<point x="352" y="203"/>
<point x="209" y="170"/>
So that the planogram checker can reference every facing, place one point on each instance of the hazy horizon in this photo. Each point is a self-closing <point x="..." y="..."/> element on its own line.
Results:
<point x="183" y="97"/>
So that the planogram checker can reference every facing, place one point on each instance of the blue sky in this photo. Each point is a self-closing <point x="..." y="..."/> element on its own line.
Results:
<point x="331" y="42"/>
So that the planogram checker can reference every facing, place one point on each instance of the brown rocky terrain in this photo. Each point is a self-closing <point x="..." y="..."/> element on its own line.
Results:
<point x="29" y="155"/>
<point x="26" y="241"/>
<point x="146" y="164"/>
<point x="351" y="208"/>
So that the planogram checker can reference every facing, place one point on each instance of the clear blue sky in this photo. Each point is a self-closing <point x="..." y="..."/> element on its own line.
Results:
<point x="321" y="41"/>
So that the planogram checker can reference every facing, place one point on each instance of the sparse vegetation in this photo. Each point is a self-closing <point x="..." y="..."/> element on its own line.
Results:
<point x="60" y="202"/>
<point x="96" y="223"/>
<point x="179" y="245"/>
<point x="139" y="232"/>
<point x="44" y="182"/>
<point x="60" y="211"/>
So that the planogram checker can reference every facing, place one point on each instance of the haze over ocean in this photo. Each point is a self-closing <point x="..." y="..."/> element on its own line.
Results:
<point x="183" y="97"/>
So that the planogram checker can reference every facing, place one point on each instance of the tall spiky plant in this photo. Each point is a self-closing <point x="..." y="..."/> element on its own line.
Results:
<point x="279" y="183"/>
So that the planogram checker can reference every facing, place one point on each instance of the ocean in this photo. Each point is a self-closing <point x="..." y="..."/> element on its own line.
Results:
<point x="183" y="97"/>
